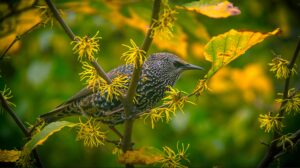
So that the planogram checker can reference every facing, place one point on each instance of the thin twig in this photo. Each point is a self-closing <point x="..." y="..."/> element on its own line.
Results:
<point x="19" y="38"/>
<point x="10" y="111"/>
<point x="274" y="150"/>
<point x="116" y="131"/>
<point x="13" y="13"/>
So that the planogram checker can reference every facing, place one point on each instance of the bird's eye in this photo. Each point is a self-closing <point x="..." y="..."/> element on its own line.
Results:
<point x="178" y="64"/>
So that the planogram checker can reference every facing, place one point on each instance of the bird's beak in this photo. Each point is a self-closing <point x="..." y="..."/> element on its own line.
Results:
<point x="192" y="67"/>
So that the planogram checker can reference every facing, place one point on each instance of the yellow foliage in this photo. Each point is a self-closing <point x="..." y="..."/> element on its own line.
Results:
<point x="219" y="10"/>
<point x="22" y="23"/>
<point x="142" y="156"/>
<point x="9" y="155"/>
<point x="177" y="44"/>
<point x="250" y="81"/>
<point x="81" y="7"/>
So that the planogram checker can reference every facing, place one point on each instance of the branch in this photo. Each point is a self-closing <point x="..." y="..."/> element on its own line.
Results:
<point x="128" y="103"/>
<point x="19" y="38"/>
<point x="274" y="150"/>
<point x="13" y="13"/>
<point x="21" y="125"/>
<point x="10" y="111"/>
<point x="72" y="36"/>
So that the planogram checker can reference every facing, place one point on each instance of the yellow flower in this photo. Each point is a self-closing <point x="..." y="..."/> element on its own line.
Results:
<point x="172" y="159"/>
<point x="117" y="151"/>
<point x="114" y="90"/>
<point x="270" y="122"/>
<point x="118" y="87"/>
<point x="6" y="93"/>
<point x="201" y="87"/>
<point x="157" y="114"/>
<point x="93" y="80"/>
<point x="175" y="99"/>
<point x="163" y="27"/>
<point x="285" y="140"/>
<point x="47" y="14"/>
<point x="90" y="133"/>
<point x="292" y="103"/>
<point x="86" y="46"/>
<point x="134" y="55"/>
<point x="280" y="67"/>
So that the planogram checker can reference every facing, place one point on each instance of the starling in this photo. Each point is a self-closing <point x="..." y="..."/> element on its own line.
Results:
<point x="159" y="71"/>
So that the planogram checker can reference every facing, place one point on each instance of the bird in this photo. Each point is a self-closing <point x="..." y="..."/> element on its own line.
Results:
<point x="159" y="71"/>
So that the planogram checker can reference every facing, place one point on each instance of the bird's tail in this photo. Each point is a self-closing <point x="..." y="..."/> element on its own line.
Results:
<point x="62" y="111"/>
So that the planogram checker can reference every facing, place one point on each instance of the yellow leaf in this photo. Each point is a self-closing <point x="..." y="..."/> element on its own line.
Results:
<point x="197" y="49"/>
<point x="224" y="48"/>
<point x="81" y="7"/>
<point x="26" y="20"/>
<point x="142" y="156"/>
<point x="177" y="44"/>
<point x="9" y="155"/>
<point x="240" y="81"/>
<point x="219" y="10"/>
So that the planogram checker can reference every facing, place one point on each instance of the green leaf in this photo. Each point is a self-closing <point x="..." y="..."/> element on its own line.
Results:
<point x="224" y="48"/>
<point x="45" y="133"/>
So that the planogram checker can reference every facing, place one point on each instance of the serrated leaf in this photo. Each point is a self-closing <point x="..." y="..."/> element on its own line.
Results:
<point x="9" y="155"/>
<point x="213" y="10"/>
<point x="45" y="133"/>
<point x="224" y="48"/>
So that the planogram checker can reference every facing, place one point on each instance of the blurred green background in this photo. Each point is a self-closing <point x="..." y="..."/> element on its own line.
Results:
<point x="222" y="128"/>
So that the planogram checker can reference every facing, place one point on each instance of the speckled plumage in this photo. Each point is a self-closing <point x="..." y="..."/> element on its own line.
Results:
<point x="159" y="71"/>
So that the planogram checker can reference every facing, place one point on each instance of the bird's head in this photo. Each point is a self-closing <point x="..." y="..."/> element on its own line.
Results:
<point x="170" y="63"/>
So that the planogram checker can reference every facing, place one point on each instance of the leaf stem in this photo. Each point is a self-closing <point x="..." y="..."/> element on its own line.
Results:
<point x="274" y="149"/>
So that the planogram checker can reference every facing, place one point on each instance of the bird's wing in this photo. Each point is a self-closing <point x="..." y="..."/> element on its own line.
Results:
<point x="82" y="93"/>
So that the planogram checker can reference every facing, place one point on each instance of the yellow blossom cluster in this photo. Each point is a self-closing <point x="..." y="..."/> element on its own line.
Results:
<point x="163" y="27"/>
<point x="270" y="122"/>
<point x="285" y="141"/>
<point x="134" y="55"/>
<point x="115" y="89"/>
<point x="201" y="87"/>
<point x="90" y="133"/>
<point x="157" y="114"/>
<point x="280" y="67"/>
<point x="7" y="95"/>
<point x="47" y="15"/>
<point x="86" y="46"/>
<point x="292" y="103"/>
<point x="175" y="100"/>
<point x="172" y="159"/>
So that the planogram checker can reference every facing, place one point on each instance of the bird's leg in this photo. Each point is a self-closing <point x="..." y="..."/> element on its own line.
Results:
<point x="113" y="128"/>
